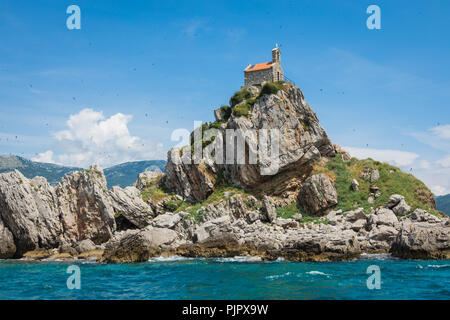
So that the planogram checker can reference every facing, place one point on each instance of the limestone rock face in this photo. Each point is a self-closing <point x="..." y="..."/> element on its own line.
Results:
<point x="147" y="178"/>
<point x="269" y="209"/>
<point x="85" y="207"/>
<point x="317" y="194"/>
<point x="28" y="210"/>
<point x="167" y="220"/>
<point x="191" y="181"/>
<point x="7" y="246"/>
<point x="382" y="216"/>
<point x="301" y="139"/>
<point x="423" y="240"/>
<point x="139" y="246"/>
<point x="128" y="202"/>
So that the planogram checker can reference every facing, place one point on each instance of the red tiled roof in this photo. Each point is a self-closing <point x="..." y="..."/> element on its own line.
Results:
<point x="258" y="66"/>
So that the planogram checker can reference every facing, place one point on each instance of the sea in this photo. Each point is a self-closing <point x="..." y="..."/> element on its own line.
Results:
<point x="178" y="278"/>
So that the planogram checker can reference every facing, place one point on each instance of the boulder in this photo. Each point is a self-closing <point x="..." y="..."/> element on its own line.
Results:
<point x="194" y="182"/>
<point x="317" y="194"/>
<point x="423" y="240"/>
<point x="168" y="220"/>
<point x="128" y="203"/>
<point x="402" y="208"/>
<point x="421" y="215"/>
<point x="84" y="206"/>
<point x="355" y="185"/>
<point x="375" y="175"/>
<point x="355" y="215"/>
<point x="85" y="246"/>
<point x="394" y="200"/>
<point x="382" y="216"/>
<point x="28" y="210"/>
<point x="7" y="246"/>
<point x="146" y="179"/>
<point x="218" y="115"/>
<point x="139" y="246"/>
<point x="302" y="139"/>
<point x="268" y="209"/>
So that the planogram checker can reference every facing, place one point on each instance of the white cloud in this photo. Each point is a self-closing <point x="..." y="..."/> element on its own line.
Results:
<point x="92" y="138"/>
<point x="442" y="131"/>
<point x="395" y="157"/>
<point x="436" y="137"/>
<point x="439" y="190"/>
<point x="444" y="162"/>
<point x="46" y="157"/>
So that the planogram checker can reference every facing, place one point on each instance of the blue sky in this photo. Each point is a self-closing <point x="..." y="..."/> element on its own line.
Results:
<point x="138" y="70"/>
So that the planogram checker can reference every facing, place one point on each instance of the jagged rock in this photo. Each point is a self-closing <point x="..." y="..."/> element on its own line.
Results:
<point x="128" y="202"/>
<point x="355" y="185"/>
<point x="335" y="217"/>
<point x="146" y="179"/>
<point x="268" y="209"/>
<point x="193" y="182"/>
<point x="28" y="210"/>
<point x="218" y="115"/>
<point x="382" y="216"/>
<point x="358" y="225"/>
<point x="398" y="205"/>
<point x="383" y="233"/>
<point x="66" y="248"/>
<point x="394" y="200"/>
<point x="85" y="206"/>
<point x="317" y="194"/>
<point x="302" y="139"/>
<point x="139" y="246"/>
<point x="402" y="208"/>
<point x="253" y="216"/>
<point x="286" y="223"/>
<point x="423" y="240"/>
<point x="355" y="215"/>
<point x="421" y="215"/>
<point x="297" y="217"/>
<point x="168" y="220"/>
<point x="212" y="228"/>
<point x="237" y="206"/>
<point x="85" y="246"/>
<point x="371" y="199"/>
<point x="7" y="246"/>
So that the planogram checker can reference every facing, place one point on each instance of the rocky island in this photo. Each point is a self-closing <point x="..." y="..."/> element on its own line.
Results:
<point x="320" y="205"/>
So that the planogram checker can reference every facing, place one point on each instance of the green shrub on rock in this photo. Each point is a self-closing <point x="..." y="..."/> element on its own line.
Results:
<point x="240" y="96"/>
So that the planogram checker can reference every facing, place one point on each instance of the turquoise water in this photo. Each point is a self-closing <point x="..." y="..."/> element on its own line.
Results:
<point x="178" y="278"/>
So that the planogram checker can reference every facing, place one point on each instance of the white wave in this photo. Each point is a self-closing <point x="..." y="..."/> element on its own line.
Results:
<point x="314" y="272"/>
<point x="169" y="259"/>
<point x="280" y="259"/>
<point x="438" y="265"/>
<point x="240" y="259"/>
<point x="277" y="276"/>
<point x="377" y="256"/>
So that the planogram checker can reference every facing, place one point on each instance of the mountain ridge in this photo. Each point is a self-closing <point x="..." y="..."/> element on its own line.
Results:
<point x="443" y="203"/>
<point x="123" y="174"/>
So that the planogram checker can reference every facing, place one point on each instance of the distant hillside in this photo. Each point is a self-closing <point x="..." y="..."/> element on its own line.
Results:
<point x="122" y="175"/>
<point x="443" y="204"/>
<point x="125" y="174"/>
<point x="30" y="169"/>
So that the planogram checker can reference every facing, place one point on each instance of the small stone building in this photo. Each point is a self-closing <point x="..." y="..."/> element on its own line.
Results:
<point x="257" y="74"/>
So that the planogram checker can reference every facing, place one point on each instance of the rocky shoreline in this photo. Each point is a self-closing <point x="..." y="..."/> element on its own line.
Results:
<point x="227" y="229"/>
<point x="203" y="209"/>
